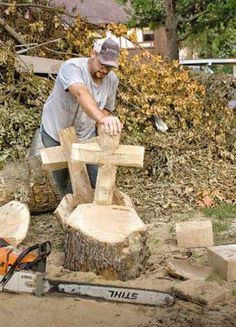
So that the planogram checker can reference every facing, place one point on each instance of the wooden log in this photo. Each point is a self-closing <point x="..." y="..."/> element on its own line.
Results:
<point x="108" y="240"/>
<point x="14" y="221"/>
<point x="27" y="182"/>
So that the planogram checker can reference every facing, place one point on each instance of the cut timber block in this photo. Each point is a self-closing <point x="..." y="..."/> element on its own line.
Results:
<point x="196" y="233"/>
<point x="14" y="221"/>
<point x="107" y="240"/>
<point x="201" y="292"/>
<point x="222" y="258"/>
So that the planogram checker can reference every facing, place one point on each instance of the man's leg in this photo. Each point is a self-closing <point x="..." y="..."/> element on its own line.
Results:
<point x="61" y="177"/>
<point x="92" y="169"/>
<point x="92" y="173"/>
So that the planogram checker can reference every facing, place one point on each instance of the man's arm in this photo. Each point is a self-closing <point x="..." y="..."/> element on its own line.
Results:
<point x="81" y="93"/>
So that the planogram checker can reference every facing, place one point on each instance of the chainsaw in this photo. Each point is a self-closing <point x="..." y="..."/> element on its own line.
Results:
<point x="24" y="271"/>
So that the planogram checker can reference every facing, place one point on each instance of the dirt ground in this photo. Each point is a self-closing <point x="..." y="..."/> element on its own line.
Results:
<point x="28" y="310"/>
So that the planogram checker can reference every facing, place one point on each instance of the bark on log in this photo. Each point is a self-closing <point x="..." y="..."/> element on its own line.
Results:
<point x="27" y="182"/>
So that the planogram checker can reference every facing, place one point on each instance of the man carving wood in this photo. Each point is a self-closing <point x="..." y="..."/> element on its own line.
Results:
<point x="84" y="93"/>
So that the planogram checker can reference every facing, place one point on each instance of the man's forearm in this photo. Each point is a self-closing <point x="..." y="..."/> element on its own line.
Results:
<point x="87" y="102"/>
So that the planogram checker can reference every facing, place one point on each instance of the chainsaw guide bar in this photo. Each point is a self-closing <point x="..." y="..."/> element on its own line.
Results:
<point x="25" y="272"/>
<point x="35" y="282"/>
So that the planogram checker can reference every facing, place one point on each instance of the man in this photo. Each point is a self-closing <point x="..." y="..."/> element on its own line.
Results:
<point x="83" y="95"/>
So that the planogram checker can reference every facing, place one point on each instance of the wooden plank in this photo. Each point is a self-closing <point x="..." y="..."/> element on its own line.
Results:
<point x="38" y="65"/>
<point x="105" y="184"/>
<point x="81" y="186"/>
<point x="125" y="155"/>
<point x="108" y="154"/>
<point x="53" y="158"/>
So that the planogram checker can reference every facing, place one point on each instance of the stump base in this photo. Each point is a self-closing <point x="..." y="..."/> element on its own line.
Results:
<point x="108" y="240"/>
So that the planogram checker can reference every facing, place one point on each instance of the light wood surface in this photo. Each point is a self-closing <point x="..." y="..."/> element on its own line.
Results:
<point x="106" y="223"/>
<point x="81" y="186"/>
<point x="14" y="221"/>
<point x="53" y="158"/>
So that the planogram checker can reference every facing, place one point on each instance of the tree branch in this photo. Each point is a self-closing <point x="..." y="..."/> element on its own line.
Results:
<point x="38" y="45"/>
<point x="11" y="31"/>
<point x="192" y="18"/>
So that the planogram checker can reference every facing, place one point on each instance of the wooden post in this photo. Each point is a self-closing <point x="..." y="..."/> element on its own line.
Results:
<point x="82" y="189"/>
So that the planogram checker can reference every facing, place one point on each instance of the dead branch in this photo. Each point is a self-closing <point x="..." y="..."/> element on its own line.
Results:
<point x="38" y="45"/>
<point x="62" y="52"/>
<point x="11" y="31"/>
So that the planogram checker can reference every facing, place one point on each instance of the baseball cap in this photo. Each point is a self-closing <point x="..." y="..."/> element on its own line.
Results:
<point x="108" y="51"/>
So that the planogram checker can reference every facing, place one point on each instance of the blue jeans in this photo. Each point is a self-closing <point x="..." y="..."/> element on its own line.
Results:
<point x="62" y="177"/>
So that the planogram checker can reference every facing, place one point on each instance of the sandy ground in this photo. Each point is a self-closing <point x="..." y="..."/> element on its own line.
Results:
<point x="29" y="311"/>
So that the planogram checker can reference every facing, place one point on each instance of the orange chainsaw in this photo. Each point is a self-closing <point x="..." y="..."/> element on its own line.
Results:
<point x="25" y="272"/>
<point x="17" y="266"/>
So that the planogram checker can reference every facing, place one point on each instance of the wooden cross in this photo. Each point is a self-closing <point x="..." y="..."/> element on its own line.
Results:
<point x="108" y="154"/>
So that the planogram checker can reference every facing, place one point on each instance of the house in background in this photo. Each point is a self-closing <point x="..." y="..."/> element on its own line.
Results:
<point x="109" y="11"/>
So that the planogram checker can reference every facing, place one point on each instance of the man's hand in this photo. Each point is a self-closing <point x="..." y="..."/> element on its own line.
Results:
<point x="112" y="124"/>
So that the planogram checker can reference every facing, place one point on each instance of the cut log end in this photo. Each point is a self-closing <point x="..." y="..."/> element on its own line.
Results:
<point x="14" y="222"/>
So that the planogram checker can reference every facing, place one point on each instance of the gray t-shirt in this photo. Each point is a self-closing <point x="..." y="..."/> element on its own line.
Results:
<point x="62" y="110"/>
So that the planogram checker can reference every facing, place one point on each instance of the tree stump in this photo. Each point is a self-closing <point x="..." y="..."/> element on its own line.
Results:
<point x="108" y="240"/>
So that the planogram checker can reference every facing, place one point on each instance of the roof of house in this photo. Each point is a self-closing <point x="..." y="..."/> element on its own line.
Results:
<point x="96" y="11"/>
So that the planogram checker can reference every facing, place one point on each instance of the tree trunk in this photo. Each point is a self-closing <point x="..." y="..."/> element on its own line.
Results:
<point x="27" y="182"/>
<point x="108" y="240"/>
<point x="171" y="23"/>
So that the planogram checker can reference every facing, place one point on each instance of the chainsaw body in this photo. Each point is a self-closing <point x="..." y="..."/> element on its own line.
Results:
<point x="20" y="269"/>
